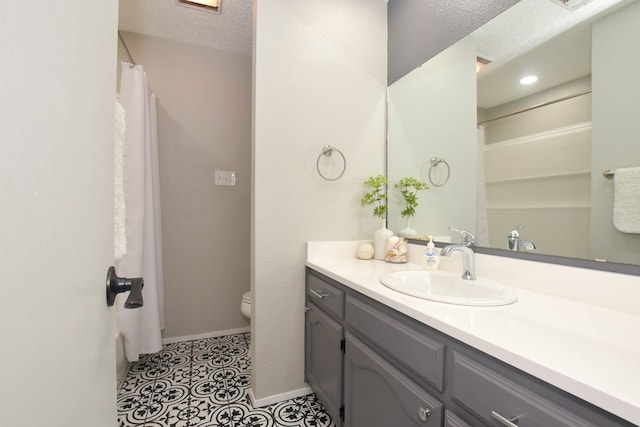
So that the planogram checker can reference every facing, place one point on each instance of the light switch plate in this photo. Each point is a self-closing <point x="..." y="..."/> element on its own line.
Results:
<point x="225" y="177"/>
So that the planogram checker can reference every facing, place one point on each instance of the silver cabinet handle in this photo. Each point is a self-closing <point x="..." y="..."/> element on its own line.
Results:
<point x="424" y="413"/>
<point x="320" y="294"/>
<point x="509" y="422"/>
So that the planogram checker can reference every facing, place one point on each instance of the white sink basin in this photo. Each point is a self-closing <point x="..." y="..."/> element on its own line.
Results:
<point x="448" y="288"/>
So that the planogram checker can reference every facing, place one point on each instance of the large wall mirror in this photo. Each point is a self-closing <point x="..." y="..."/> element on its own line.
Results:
<point x="498" y="154"/>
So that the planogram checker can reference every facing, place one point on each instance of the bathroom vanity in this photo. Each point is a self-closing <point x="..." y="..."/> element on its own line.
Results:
<point x="376" y="357"/>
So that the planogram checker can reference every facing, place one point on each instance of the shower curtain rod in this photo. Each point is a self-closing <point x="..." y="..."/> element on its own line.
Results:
<point x="544" y="104"/>
<point x="133" y="62"/>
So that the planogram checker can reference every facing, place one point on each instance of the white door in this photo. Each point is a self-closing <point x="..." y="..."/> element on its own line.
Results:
<point x="57" y="85"/>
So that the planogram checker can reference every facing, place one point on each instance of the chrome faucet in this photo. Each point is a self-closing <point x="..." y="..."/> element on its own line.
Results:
<point x="517" y="244"/>
<point x="468" y="261"/>
<point x="468" y="239"/>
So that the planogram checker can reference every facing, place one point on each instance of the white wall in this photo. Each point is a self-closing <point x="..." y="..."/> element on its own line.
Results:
<point x="616" y="124"/>
<point x="204" y="125"/>
<point x="432" y="113"/>
<point x="56" y="206"/>
<point x="319" y="78"/>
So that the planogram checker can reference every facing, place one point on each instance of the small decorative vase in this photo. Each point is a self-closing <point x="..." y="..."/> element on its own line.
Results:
<point x="380" y="241"/>
<point x="408" y="231"/>
<point x="396" y="250"/>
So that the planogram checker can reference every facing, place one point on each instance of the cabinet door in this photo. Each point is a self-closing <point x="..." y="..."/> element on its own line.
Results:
<point x="323" y="359"/>
<point x="422" y="355"/>
<point x="378" y="395"/>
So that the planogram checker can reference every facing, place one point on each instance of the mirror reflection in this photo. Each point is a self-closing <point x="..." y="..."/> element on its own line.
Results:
<point x="522" y="165"/>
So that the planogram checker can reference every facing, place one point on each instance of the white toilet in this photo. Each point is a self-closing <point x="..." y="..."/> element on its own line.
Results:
<point x="245" y="309"/>
<point x="245" y="306"/>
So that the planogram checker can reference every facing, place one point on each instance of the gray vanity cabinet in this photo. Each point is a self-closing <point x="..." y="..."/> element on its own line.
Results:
<point x="499" y="400"/>
<point x="324" y="359"/>
<point x="421" y="356"/>
<point x="451" y="420"/>
<point x="378" y="395"/>
<point x="324" y="341"/>
<point x="398" y="372"/>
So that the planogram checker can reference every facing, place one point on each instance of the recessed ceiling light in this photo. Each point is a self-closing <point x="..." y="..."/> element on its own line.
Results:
<point x="527" y="80"/>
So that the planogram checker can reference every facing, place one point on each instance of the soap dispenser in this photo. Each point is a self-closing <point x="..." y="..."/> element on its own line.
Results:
<point x="431" y="259"/>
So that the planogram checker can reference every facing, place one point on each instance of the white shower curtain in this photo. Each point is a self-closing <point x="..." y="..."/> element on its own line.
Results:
<point x="482" y="221"/>
<point x="141" y="327"/>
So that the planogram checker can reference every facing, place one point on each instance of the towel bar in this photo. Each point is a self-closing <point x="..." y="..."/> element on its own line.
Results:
<point x="327" y="151"/>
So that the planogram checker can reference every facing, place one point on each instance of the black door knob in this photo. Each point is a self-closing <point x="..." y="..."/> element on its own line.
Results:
<point x="116" y="285"/>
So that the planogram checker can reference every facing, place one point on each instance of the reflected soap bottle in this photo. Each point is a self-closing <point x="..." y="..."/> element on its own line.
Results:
<point x="431" y="258"/>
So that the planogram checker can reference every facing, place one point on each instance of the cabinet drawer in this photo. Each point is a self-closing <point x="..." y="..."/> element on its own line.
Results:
<point x="490" y="395"/>
<point x="325" y="296"/>
<point x="378" y="395"/>
<point x="420" y="354"/>
<point x="452" y="420"/>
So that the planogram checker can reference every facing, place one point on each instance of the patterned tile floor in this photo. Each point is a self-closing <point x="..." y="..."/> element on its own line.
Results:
<point x="205" y="383"/>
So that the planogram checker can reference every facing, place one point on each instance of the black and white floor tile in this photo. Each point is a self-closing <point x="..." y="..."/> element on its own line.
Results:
<point x="205" y="383"/>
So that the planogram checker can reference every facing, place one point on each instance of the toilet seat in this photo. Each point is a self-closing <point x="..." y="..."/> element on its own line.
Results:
<point x="246" y="297"/>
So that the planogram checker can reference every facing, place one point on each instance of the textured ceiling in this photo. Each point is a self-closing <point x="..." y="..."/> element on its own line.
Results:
<point x="530" y="23"/>
<point x="230" y="31"/>
<point x="536" y="37"/>
<point x="505" y="39"/>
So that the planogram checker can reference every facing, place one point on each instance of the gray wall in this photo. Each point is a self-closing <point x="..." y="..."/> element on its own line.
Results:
<point x="204" y="125"/>
<point x="420" y="29"/>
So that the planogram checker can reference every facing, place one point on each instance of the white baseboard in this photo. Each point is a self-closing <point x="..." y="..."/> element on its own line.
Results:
<point x="206" y="335"/>
<point x="122" y="364"/>
<point x="270" y="400"/>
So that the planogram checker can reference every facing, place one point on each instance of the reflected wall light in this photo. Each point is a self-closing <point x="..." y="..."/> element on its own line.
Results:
<point x="207" y="5"/>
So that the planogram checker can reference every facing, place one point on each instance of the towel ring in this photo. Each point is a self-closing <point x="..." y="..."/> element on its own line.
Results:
<point x="434" y="163"/>
<point x="327" y="151"/>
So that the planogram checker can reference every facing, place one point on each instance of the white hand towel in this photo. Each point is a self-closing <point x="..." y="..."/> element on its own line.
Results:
<point x="626" y="200"/>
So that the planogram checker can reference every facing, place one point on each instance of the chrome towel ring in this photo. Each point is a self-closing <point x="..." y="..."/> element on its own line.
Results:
<point x="327" y="151"/>
<point x="434" y="163"/>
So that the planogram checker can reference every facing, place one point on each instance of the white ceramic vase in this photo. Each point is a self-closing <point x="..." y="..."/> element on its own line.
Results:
<point x="408" y="231"/>
<point x="380" y="241"/>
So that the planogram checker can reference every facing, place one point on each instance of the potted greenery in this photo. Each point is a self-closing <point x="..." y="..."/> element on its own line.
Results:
<point x="409" y="188"/>
<point x="377" y="196"/>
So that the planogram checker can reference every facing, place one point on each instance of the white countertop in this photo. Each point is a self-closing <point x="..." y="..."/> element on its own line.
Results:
<point x="591" y="352"/>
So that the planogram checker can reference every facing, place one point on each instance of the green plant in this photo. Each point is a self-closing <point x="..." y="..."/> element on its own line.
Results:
<point x="377" y="196"/>
<point x="409" y="190"/>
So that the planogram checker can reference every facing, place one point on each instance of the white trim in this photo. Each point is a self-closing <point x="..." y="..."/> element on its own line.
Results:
<point x="270" y="400"/>
<point x="534" y="177"/>
<point x="551" y="133"/>
<point x="555" y="207"/>
<point x="206" y="335"/>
